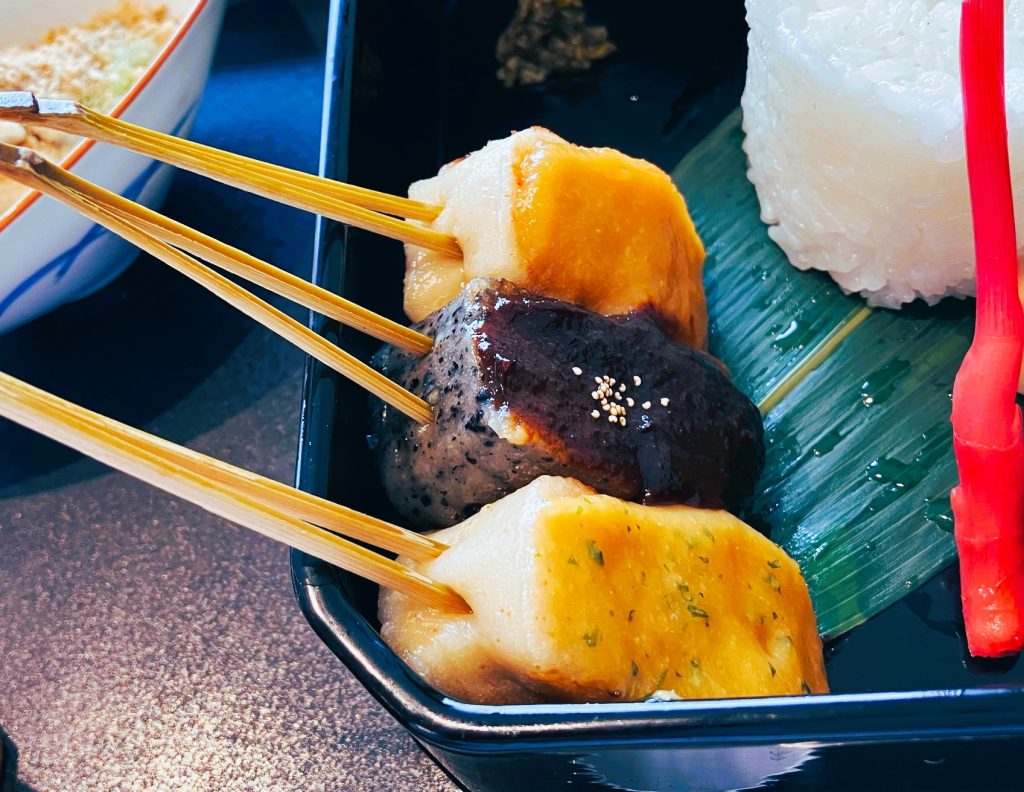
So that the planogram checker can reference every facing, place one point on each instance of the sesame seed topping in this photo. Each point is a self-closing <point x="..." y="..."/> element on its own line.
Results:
<point x="611" y="398"/>
<point x="646" y="405"/>
<point x="577" y="370"/>
<point x="637" y="381"/>
<point x="664" y="401"/>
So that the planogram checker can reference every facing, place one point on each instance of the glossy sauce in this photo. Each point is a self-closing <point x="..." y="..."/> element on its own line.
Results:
<point x="704" y="447"/>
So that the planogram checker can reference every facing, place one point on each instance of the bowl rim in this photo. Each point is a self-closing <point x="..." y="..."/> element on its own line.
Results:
<point x="448" y="724"/>
<point x="83" y="146"/>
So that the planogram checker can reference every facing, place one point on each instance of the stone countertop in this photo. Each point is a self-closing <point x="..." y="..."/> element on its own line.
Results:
<point x="145" y="644"/>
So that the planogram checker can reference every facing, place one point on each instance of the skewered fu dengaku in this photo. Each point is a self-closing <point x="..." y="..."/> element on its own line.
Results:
<point x="523" y="385"/>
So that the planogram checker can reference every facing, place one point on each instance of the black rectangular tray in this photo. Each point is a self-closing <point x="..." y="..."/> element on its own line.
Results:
<point x="412" y="85"/>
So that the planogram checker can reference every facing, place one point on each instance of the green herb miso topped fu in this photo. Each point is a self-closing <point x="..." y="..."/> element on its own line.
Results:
<point x="580" y="597"/>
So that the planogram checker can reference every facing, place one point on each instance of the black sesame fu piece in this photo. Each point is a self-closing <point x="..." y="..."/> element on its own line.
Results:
<point x="523" y="385"/>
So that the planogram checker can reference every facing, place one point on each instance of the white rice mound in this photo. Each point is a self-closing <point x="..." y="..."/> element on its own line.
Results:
<point x="854" y="131"/>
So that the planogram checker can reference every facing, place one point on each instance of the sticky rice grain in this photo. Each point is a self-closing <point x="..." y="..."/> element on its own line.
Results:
<point x="854" y="132"/>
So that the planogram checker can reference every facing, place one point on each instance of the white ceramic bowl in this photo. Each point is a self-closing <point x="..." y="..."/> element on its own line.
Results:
<point x="49" y="255"/>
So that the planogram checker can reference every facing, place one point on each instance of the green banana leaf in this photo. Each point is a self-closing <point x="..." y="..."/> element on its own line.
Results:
<point x="856" y="401"/>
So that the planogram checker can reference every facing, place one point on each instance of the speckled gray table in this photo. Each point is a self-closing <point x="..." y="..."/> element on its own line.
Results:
<point x="143" y="643"/>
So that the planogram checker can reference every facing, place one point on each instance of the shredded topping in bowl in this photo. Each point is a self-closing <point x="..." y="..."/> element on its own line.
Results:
<point x="95" y="63"/>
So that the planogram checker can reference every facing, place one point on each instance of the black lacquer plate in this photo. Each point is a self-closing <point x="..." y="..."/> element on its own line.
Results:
<point x="412" y="85"/>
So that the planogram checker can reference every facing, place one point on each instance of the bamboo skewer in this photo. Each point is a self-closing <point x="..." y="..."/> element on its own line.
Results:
<point x="242" y="264"/>
<point x="299" y="519"/>
<point x="27" y="167"/>
<point x="131" y="453"/>
<point x="321" y="512"/>
<point x="279" y="281"/>
<point x="348" y="204"/>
